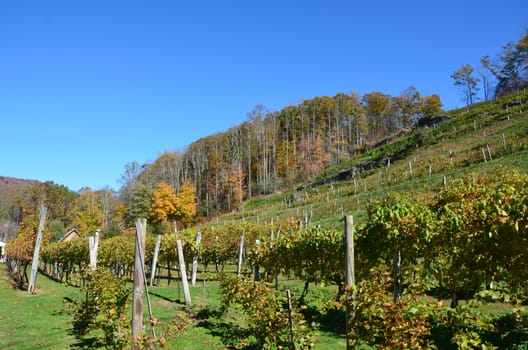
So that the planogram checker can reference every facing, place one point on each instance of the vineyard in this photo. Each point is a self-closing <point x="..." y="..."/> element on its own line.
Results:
<point x="440" y="241"/>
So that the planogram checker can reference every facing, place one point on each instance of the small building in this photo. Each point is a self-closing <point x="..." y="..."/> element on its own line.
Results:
<point x="68" y="236"/>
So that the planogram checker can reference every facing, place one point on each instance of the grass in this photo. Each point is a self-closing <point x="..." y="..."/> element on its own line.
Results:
<point x="35" y="321"/>
<point x="40" y="321"/>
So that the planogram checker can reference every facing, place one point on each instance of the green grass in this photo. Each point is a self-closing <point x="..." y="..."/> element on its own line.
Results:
<point x="34" y="321"/>
<point x="40" y="321"/>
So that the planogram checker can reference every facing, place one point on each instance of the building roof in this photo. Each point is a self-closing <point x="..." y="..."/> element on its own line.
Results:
<point x="68" y="236"/>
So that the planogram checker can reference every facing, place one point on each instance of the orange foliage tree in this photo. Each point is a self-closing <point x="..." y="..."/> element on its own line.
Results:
<point x="163" y="203"/>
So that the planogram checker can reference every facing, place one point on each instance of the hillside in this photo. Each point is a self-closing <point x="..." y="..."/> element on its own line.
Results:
<point x="476" y="139"/>
<point x="10" y="187"/>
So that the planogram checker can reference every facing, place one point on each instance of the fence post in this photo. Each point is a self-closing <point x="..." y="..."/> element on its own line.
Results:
<point x="34" y="265"/>
<point x="139" y="280"/>
<point x="93" y="243"/>
<point x="240" y="254"/>
<point x="183" y="274"/>
<point x="195" y="257"/>
<point x="155" y="260"/>
<point x="350" y="276"/>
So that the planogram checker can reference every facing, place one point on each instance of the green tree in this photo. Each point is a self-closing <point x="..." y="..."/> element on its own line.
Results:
<point x="511" y="72"/>
<point x="139" y="204"/>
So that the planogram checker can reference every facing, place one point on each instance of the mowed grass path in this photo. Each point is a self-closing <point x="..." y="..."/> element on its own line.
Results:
<point x="35" y="321"/>
<point x="40" y="321"/>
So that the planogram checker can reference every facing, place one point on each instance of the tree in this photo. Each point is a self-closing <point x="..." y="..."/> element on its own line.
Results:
<point x="185" y="204"/>
<point x="431" y="106"/>
<point x="88" y="212"/>
<point x="465" y="79"/>
<point x="139" y="204"/>
<point x="376" y="108"/>
<point x="511" y="73"/>
<point x="163" y="204"/>
<point x="485" y="76"/>
<point x="405" y="108"/>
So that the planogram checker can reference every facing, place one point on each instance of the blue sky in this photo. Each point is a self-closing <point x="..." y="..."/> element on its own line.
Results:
<point x="88" y="86"/>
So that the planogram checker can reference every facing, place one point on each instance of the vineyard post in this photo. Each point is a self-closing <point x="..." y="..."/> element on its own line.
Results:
<point x="272" y="238"/>
<point x="34" y="265"/>
<point x="256" y="270"/>
<point x="139" y="280"/>
<point x="155" y="260"/>
<point x="350" y="276"/>
<point x="93" y="243"/>
<point x="240" y="254"/>
<point x="195" y="257"/>
<point x="91" y="248"/>
<point x="484" y="155"/>
<point x="290" y="316"/>
<point x="183" y="273"/>
<point x="396" y="276"/>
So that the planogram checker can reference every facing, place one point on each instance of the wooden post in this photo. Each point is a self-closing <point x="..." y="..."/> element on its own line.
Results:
<point x="91" y="249"/>
<point x="240" y="254"/>
<point x="36" y="251"/>
<point x="484" y="155"/>
<point x="183" y="274"/>
<point x="290" y="316"/>
<point x="256" y="269"/>
<point x="195" y="257"/>
<point x="139" y="280"/>
<point x="93" y="243"/>
<point x="396" y="276"/>
<point x="155" y="260"/>
<point x="350" y="275"/>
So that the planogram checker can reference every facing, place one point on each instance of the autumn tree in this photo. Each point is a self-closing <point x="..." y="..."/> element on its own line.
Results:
<point x="405" y="108"/>
<point x="88" y="212"/>
<point x="163" y="203"/>
<point x="168" y="168"/>
<point x="376" y="108"/>
<point x="185" y="208"/>
<point x="430" y="107"/>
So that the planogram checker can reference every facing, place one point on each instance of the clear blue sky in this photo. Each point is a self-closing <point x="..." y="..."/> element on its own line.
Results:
<point x="87" y="86"/>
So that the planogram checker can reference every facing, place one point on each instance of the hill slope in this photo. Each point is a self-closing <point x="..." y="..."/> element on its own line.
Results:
<point x="476" y="139"/>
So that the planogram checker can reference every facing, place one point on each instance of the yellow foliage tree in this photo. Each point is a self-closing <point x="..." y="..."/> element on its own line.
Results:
<point x="185" y="204"/>
<point x="87" y="212"/>
<point x="163" y="204"/>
